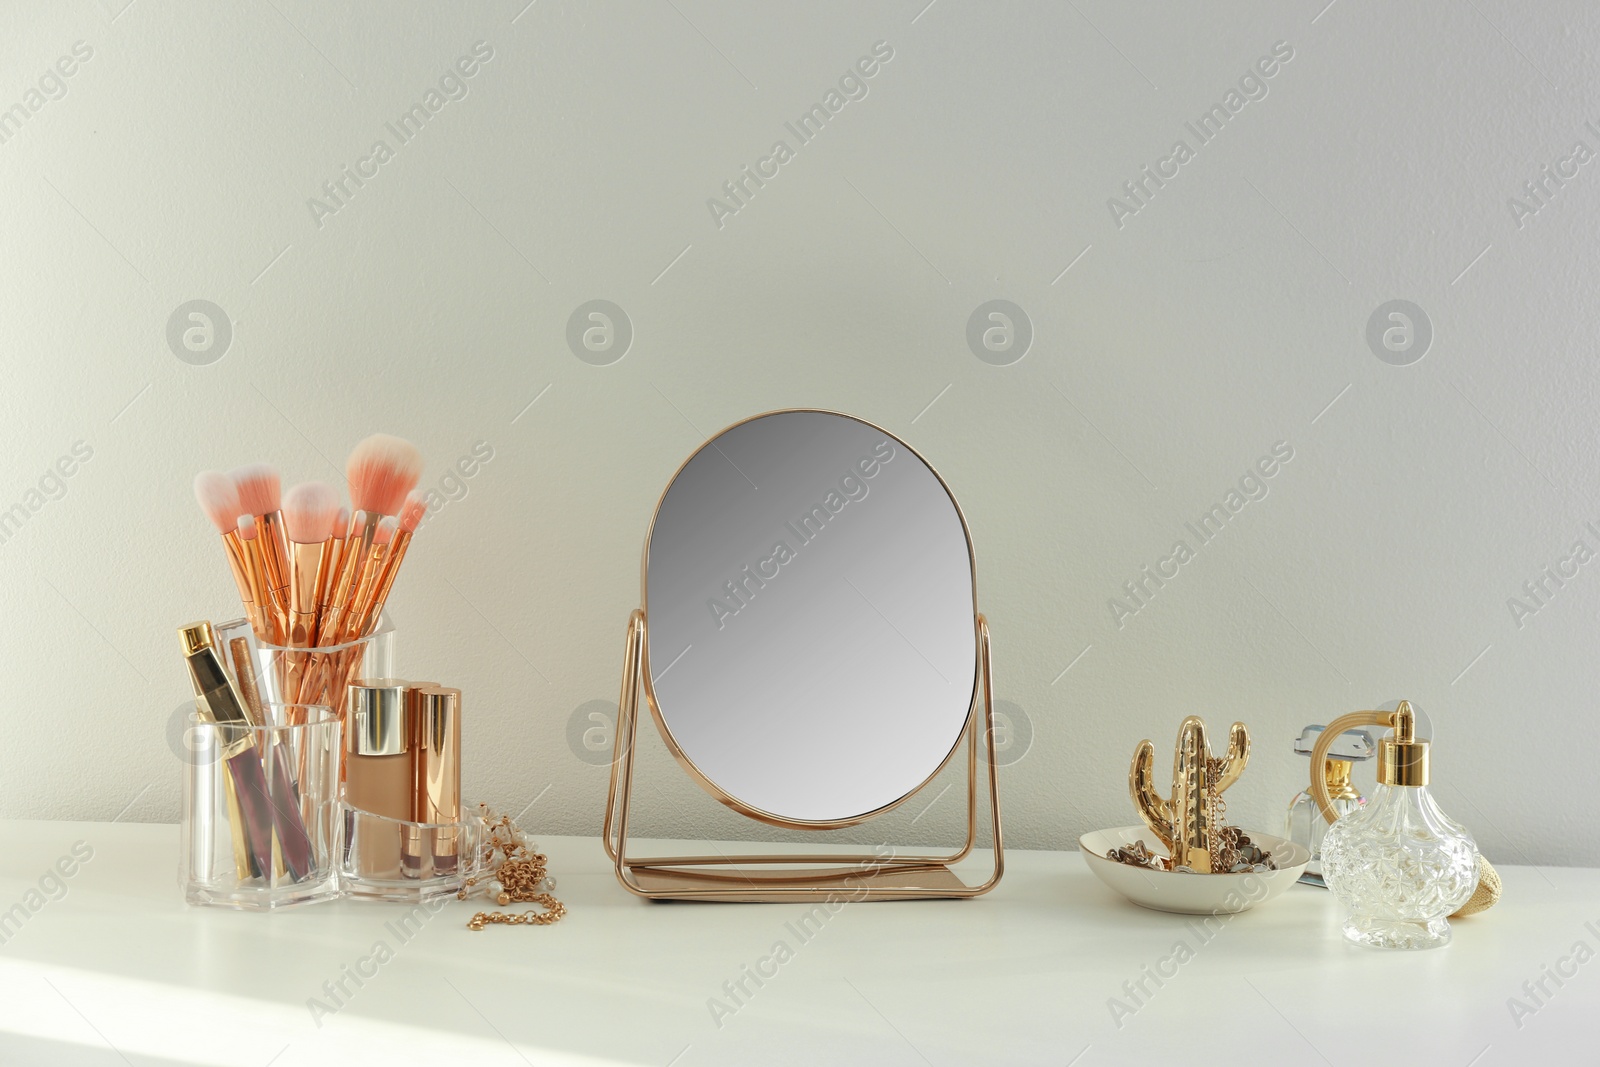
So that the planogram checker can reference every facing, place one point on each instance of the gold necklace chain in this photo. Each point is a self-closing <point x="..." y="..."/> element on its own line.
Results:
<point x="528" y="918"/>
<point x="520" y="873"/>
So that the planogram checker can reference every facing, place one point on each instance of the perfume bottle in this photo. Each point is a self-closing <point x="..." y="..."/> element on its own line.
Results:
<point x="1304" y="824"/>
<point x="1399" y="863"/>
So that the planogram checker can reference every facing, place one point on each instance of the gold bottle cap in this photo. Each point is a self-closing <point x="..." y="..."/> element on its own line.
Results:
<point x="195" y="636"/>
<point x="438" y="741"/>
<point x="375" y="717"/>
<point x="414" y="691"/>
<point x="438" y="713"/>
<point x="1403" y="758"/>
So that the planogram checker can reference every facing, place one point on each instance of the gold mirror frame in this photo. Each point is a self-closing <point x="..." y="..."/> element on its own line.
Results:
<point x="793" y="877"/>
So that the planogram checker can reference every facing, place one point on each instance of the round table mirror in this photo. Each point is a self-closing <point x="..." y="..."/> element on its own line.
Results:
<point x="810" y="609"/>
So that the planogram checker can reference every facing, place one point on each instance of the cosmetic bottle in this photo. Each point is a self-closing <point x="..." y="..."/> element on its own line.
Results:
<point x="378" y="768"/>
<point x="1304" y="824"/>
<point x="1399" y="863"/>
<point x="414" y="844"/>
<point x="438" y="770"/>
<point x="404" y="835"/>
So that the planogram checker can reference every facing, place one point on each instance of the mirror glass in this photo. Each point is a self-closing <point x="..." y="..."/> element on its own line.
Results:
<point x="810" y="613"/>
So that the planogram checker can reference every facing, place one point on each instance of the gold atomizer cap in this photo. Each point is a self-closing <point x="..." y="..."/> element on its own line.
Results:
<point x="1403" y="758"/>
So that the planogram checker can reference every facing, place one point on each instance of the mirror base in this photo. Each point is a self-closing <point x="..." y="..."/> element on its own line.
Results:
<point x="749" y="885"/>
<point x="786" y="878"/>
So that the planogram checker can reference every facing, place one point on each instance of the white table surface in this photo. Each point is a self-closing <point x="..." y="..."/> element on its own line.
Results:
<point x="120" y="971"/>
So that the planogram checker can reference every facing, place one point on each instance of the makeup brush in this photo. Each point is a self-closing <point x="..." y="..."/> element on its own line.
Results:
<point x="259" y="487"/>
<point x="309" y="513"/>
<point x="345" y="664"/>
<point x="411" y="515"/>
<point x="381" y="470"/>
<point x="219" y="499"/>
<point x="353" y="626"/>
<point x="250" y="551"/>
<point x="333" y="559"/>
<point x="341" y="528"/>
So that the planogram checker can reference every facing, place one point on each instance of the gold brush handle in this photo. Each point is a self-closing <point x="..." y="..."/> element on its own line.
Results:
<point x="1319" y="753"/>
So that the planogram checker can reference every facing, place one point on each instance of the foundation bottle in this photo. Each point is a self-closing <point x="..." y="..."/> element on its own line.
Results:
<point x="414" y="845"/>
<point x="378" y="768"/>
<point x="437" y="747"/>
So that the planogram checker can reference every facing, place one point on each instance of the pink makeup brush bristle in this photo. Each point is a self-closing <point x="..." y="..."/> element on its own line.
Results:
<point x="310" y="510"/>
<point x="259" y="488"/>
<point x="219" y="499"/>
<point x="411" y="512"/>
<point x="341" y="523"/>
<point x="247" y="527"/>
<point x="385" y="532"/>
<point x="382" y="469"/>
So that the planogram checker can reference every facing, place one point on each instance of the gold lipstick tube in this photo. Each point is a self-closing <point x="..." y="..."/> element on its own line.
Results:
<point x="437" y="756"/>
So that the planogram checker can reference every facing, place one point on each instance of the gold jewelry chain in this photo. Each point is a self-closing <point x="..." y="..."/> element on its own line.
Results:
<point x="521" y="874"/>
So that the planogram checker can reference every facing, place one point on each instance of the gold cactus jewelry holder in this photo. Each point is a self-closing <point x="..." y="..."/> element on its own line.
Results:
<point x="1191" y="823"/>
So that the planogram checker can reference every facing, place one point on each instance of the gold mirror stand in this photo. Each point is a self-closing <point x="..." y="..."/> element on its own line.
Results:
<point x="790" y="878"/>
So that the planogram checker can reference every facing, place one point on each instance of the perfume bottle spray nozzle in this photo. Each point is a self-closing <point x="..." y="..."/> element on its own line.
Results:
<point x="1403" y="757"/>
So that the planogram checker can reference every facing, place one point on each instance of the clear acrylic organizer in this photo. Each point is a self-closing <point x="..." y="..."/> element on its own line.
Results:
<point x="261" y="825"/>
<point x="393" y="859"/>
<point x="311" y="675"/>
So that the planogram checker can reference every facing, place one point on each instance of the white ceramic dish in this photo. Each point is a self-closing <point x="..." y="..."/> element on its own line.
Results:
<point x="1191" y="894"/>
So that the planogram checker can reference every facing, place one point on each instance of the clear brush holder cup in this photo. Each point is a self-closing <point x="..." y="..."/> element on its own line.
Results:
<point x="307" y="675"/>
<point x="261" y="822"/>
<point x="394" y="859"/>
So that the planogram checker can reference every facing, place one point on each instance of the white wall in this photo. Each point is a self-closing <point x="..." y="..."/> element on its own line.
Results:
<point x="1170" y="353"/>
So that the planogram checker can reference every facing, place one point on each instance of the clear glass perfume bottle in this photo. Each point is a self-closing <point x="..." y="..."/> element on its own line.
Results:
<point x="1399" y="863"/>
<point x="1304" y="824"/>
